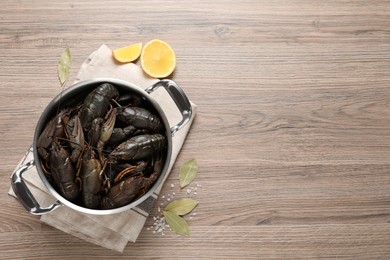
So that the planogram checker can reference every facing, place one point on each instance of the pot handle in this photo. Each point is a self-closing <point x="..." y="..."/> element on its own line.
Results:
<point x="24" y="194"/>
<point x="180" y="99"/>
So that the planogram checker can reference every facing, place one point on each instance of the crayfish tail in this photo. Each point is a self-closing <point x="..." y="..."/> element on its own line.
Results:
<point x="91" y="201"/>
<point x="107" y="203"/>
<point x="70" y="191"/>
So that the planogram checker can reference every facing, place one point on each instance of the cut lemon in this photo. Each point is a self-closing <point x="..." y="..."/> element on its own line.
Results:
<point x="158" y="60"/>
<point x="128" y="53"/>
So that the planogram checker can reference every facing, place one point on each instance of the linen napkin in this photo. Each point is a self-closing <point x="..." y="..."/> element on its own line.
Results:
<point x="112" y="231"/>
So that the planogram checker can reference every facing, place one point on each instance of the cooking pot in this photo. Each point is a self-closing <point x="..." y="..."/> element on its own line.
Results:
<point x="78" y="92"/>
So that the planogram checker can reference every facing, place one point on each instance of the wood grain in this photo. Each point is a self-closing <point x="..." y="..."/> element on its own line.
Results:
<point x="292" y="134"/>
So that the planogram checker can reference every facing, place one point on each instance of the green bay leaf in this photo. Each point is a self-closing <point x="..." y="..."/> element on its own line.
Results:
<point x="181" y="206"/>
<point x="64" y="65"/>
<point x="176" y="223"/>
<point x="188" y="172"/>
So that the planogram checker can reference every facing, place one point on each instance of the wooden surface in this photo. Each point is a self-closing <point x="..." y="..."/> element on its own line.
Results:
<point x="292" y="134"/>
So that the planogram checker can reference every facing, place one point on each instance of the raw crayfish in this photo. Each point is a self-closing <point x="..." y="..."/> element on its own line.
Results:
<point x="96" y="104"/>
<point x="139" y="147"/>
<point x="63" y="171"/>
<point x="127" y="190"/>
<point x="100" y="155"/>
<point x="91" y="179"/>
<point x="54" y="129"/>
<point x="140" y="118"/>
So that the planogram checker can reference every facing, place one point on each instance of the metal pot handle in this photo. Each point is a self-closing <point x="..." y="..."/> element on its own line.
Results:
<point x="180" y="99"/>
<point x="24" y="194"/>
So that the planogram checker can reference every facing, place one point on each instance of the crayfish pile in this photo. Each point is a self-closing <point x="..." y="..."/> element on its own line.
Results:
<point x="104" y="151"/>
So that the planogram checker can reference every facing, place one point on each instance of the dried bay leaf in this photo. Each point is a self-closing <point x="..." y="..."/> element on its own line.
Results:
<point x="177" y="208"/>
<point x="181" y="206"/>
<point x="176" y="223"/>
<point x="188" y="172"/>
<point x="64" y="65"/>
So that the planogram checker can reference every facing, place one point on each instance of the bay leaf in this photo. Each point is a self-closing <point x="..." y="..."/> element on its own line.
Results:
<point x="176" y="223"/>
<point x="64" y="65"/>
<point x="181" y="206"/>
<point x="188" y="172"/>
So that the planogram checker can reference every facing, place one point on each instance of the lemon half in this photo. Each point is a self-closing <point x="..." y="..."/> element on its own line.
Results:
<point x="158" y="59"/>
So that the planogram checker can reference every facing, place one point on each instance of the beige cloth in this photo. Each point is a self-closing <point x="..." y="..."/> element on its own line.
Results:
<point x="113" y="231"/>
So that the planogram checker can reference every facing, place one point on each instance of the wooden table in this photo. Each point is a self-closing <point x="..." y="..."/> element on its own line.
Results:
<point x="292" y="134"/>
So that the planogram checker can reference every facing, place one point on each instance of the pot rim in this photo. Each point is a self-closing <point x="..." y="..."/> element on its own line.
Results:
<point x="74" y="90"/>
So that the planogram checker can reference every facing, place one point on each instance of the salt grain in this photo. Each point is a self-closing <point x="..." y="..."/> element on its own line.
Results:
<point x="172" y="185"/>
<point x="163" y="196"/>
<point x="188" y="191"/>
<point x="159" y="225"/>
<point x="168" y="199"/>
<point x="195" y="193"/>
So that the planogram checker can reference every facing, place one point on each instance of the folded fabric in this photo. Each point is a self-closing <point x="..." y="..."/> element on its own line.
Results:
<point x="111" y="231"/>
